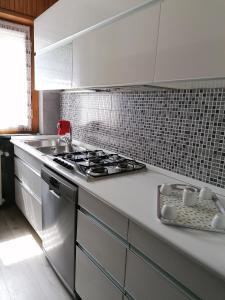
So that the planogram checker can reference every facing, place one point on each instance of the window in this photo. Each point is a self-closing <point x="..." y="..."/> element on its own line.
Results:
<point x="15" y="77"/>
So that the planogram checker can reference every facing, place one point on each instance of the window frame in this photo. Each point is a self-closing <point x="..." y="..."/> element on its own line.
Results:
<point x="14" y="18"/>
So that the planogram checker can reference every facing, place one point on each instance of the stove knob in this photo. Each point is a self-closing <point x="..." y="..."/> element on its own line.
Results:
<point x="67" y="166"/>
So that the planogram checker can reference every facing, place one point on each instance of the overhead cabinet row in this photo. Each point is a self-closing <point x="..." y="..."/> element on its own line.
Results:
<point x="116" y="43"/>
<point x="118" y="53"/>
<point x="68" y="17"/>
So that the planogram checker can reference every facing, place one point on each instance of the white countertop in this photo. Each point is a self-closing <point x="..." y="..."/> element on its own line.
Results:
<point x="135" y="195"/>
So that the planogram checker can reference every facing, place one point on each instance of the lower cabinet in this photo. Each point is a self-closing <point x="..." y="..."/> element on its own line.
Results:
<point x="91" y="283"/>
<point x="102" y="249"/>
<point x="27" y="171"/>
<point x="105" y="214"/>
<point x="143" y="282"/>
<point x="113" y="265"/>
<point x="30" y="178"/>
<point x="29" y="205"/>
<point x="194" y="277"/>
<point x="108" y="250"/>
<point x="29" y="159"/>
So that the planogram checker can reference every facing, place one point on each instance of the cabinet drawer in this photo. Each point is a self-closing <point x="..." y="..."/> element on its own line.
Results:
<point x="29" y="159"/>
<point x="29" y="177"/>
<point x="143" y="282"/>
<point x="103" y="246"/>
<point x="30" y="206"/>
<point x="91" y="283"/>
<point x="188" y="272"/>
<point x="104" y="213"/>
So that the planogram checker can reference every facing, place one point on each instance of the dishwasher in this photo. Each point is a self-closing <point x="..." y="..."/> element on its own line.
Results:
<point x="59" y="201"/>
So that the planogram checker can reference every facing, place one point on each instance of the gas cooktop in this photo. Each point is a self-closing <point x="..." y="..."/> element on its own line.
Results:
<point x="97" y="163"/>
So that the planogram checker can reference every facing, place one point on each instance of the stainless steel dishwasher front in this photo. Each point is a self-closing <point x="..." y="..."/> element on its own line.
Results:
<point x="59" y="200"/>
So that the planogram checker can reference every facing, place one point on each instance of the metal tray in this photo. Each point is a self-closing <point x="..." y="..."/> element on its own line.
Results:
<point x="197" y="217"/>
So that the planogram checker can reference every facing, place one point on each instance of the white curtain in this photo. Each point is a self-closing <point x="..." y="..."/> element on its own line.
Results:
<point x="15" y="77"/>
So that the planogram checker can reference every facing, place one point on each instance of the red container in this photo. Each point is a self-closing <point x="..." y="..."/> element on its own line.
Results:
<point x="63" y="127"/>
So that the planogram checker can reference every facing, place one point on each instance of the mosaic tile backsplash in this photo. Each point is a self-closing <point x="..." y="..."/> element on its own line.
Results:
<point x="179" y="130"/>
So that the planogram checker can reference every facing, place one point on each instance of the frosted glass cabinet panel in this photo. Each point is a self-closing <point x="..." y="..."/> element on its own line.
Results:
<point x="191" y="41"/>
<point x="53" y="69"/>
<point x="67" y="17"/>
<point x="120" y="53"/>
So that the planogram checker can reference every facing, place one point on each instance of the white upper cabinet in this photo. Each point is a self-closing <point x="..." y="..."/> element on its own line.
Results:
<point x="120" y="53"/>
<point x="169" y="43"/>
<point x="67" y="17"/>
<point x="53" y="69"/>
<point x="191" y="43"/>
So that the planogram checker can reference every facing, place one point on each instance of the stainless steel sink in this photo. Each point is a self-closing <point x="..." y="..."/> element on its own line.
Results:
<point x="52" y="146"/>
<point x="53" y="150"/>
<point x="45" y="143"/>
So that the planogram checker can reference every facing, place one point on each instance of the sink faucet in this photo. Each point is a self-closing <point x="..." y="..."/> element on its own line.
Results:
<point x="68" y="140"/>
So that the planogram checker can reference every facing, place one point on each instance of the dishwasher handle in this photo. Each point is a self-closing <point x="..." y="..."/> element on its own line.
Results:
<point x="54" y="183"/>
<point x="51" y="181"/>
<point x="56" y="195"/>
<point x="58" y="184"/>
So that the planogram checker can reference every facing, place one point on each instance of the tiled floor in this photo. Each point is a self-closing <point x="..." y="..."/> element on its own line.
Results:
<point x="25" y="273"/>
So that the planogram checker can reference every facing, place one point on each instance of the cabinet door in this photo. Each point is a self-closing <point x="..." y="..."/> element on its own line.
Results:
<point x="53" y="69"/>
<point x="144" y="283"/>
<point x="121" y="53"/>
<point x="30" y="206"/>
<point x="68" y="17"/>
<point x="102" y="245"/>
<point x="91" y="283"/>
<point x="107" y="215"/>
<point x="190" y="274"/>
<point x="191" y="42"/>
<point x="29" y="159"/>
<point x="30" y="178"/>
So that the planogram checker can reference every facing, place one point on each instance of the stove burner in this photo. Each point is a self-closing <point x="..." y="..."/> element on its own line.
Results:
<point x="123" y="164"/>
<point x="91" y="154"/>
<point x="97" y="170"/>
<point x="115" y="157"/>
<point x="69" y="156"/>
<point x="93" y="160"/>
<point x="95" y="153"/>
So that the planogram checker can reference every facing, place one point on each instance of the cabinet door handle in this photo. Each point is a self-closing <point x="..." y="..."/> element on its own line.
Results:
<point x="54" y="194"/>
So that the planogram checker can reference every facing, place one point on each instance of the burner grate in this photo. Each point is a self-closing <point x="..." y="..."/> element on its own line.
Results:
<point x="97" y="163"/>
